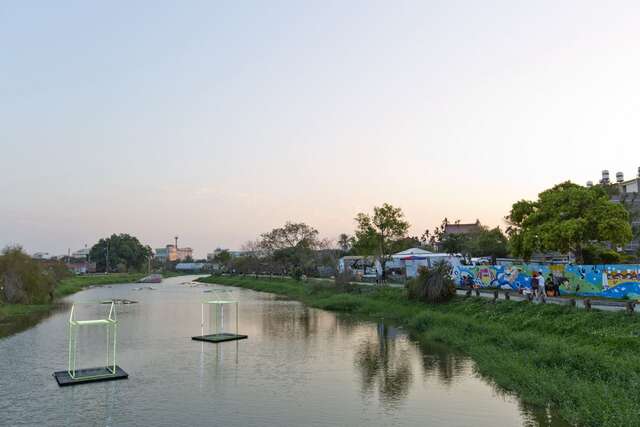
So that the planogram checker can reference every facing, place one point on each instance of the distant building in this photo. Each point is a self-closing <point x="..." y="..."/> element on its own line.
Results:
<point x="355" y="264"/>
<point x="41" y="255"/>
<point x="81" y="253"/>
<point x="626" y="192"/>
<point x="81" y="267"/>
<point x="191" y="266"/>
<point x="458" y="228"/>
<point x="171" y="253"/>
<point x="234" y="254"/>
<point x="211" y="256"/>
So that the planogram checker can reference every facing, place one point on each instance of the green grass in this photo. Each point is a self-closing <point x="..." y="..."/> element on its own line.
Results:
<point x="68" y="286"/>
<point x="585" y="364"/>
<point x="74" y="284"/>
<point x="12" y="311"/>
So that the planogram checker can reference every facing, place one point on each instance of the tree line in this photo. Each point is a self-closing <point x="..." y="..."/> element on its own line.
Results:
<point x="567" y="218"/>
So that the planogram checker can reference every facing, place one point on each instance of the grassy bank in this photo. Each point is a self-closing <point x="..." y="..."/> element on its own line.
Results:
<point x="586" y="364"/>
<point x="75" y="284"/>
<point x="13" y="311"/>
<point x="68" y="286"/>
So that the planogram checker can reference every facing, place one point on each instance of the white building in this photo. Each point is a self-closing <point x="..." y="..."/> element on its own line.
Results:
<point x="81" y="253"/>
<point x="411" y="260"/>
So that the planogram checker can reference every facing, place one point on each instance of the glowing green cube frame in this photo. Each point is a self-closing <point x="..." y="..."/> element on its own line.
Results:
<point x="111" y="370"/>
<point x="216" y="309"/>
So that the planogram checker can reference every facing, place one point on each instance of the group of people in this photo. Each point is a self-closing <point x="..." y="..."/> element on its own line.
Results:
<point x="542" y="287"/>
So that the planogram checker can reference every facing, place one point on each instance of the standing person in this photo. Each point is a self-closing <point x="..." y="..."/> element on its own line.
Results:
<point x="534" y="284"/>
<point x="541" y="285"/>
<point x="470" y="282"/>
<point x="552" y="283"/>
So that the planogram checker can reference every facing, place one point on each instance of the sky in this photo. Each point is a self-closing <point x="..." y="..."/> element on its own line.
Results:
<point x="219" y="120"/>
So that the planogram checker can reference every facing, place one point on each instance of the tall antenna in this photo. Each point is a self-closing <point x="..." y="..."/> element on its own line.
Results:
<point x="176" y="242"/>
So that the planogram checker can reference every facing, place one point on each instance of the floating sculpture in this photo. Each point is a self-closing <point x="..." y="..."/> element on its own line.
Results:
<point x="216" y="311"/>
<point x="111" y="371"/>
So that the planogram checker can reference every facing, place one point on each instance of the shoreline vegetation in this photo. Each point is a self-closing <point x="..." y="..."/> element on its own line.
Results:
<point x="584" y="364"/>
<point x="67" y="286"/>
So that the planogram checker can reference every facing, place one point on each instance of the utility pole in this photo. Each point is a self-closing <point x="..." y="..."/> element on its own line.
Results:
<point x="106" y="267"/>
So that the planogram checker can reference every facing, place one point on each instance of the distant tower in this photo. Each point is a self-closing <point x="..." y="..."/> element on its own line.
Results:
<point x="589" y="183"/>
<point x="605" y="177"/>
<point x="639" y="172"/>
<point x="619" y="177"/>
<point x="176" y="239"/>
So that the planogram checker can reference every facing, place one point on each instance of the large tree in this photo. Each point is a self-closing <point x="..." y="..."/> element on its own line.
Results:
<point x="122" y="252"/>
<point x="292" y="246"/>
<point x="488" y="242"/>
<point x="376" y="233"/>
<point x="566" y="218"/>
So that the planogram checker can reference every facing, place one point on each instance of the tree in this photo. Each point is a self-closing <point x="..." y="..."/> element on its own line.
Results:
<point x="292" y="246"/>
<point x="566" y="218"/>
<point x="455" y="244"/>
<point x="376" y="233"/>
<point x="345" y="242"/>
<point x="222" y="258"/>
<point x="488" y="242"/>
<point x="23" y="280"/>
<point x="434" y="238"/>
<point x="122" y="252"/>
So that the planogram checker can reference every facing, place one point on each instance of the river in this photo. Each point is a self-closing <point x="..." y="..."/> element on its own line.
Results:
<point x="299" y="367"/>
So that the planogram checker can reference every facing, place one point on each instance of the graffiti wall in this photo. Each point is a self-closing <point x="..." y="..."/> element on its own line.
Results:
<point x="612" y="281"/>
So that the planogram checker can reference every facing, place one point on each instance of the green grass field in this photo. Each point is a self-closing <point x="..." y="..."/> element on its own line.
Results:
<point x="77" y="283"/>
<point x="585" y="364"/>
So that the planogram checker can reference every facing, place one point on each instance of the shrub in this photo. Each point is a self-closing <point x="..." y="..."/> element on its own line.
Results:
<point x="343" y="283"/>
<point x="23" y="280"/>
<point x="297" y="273"/>
<point x="432" y="285"/>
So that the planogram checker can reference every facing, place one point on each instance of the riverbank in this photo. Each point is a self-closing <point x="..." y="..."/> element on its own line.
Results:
<point x="583" y="363"/>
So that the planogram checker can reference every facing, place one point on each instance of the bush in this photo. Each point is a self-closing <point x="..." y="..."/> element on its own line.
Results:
<point x="432" y="285"/>
<point x="23" y="280"/>
<point x="297" y="273"/>
<point x="598" y="255"/>
<point x="343" y="283"/>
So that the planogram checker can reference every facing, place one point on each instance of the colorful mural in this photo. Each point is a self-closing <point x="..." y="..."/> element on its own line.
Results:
<point x="612" y="281"/>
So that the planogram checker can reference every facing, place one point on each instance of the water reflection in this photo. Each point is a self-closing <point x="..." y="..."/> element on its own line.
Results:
<point x="22" y="323"/>
<point x="534" y="416"/>
<point x="445" y="365"/>
<point x="281" y="320"/>
<point x="384" y="366"/>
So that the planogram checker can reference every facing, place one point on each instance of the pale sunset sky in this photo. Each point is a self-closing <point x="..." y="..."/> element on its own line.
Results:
<point x="218" y="120"/>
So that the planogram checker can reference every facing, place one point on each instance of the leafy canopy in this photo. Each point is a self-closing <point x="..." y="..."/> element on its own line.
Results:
<point x="376" y="233"/>
<point x="292" y="246"/>
<point x="566" y="218"/>
<point x="125" y="252"/>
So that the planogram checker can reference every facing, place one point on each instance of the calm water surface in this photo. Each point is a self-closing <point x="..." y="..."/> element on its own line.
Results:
<point x="299" y="367"/>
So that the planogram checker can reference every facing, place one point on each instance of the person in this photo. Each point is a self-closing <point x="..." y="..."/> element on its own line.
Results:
<point x="534" y="284"/>
<point x="468" y="283"/>
<point x="541" y="284"/>
<point x="552" y="283"/>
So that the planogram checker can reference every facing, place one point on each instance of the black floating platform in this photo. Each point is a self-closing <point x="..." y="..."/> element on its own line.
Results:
<point x="220" y="337"/>
<point x="90" y="375"/>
